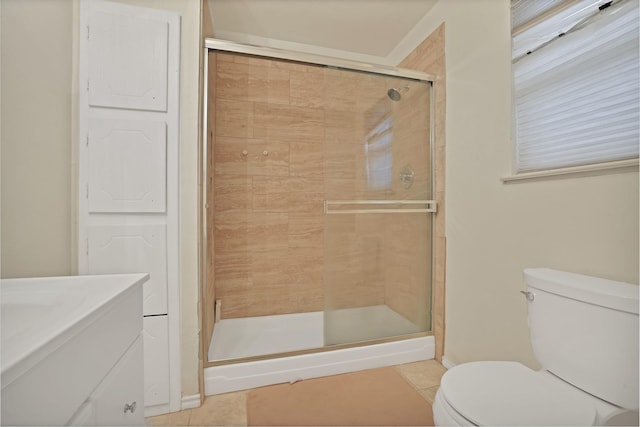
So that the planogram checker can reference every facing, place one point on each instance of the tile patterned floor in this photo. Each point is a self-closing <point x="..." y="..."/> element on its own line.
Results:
<point x="230" y="409"/>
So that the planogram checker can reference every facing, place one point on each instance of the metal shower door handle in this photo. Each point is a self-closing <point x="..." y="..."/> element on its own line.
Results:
<point x="379" y="206"/>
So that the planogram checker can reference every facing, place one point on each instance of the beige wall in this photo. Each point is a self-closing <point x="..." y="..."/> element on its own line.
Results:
<point x="36" y="137"/>
<point x="583" y="224"/>
<point x="37" y="192"/>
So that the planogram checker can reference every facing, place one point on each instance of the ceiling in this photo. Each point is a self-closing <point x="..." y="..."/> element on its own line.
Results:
<point x="369" y="28"/>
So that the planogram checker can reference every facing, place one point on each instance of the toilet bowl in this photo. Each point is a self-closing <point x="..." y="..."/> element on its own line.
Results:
<point x="511" y="394"/>
<point x="585" y="334"/>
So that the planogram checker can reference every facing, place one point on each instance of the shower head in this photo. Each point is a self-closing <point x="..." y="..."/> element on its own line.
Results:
<point x="396" y="94"/>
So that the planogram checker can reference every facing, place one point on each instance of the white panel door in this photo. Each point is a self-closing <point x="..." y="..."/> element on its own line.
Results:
<point x="128" y="61"/>
<point x="133" y="249"/>
<point x="127" y="165"/>
<point x="156" y="369"/>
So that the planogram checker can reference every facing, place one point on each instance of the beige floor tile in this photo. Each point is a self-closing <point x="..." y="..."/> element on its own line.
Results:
<point x="221" y="410"/>
<point x="173" y="419"/>
<point x="424" y="374"/>
<point x="429" y="394"/>
<point x="231" y="409"/>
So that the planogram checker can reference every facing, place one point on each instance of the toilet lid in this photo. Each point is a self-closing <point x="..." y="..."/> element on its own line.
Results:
<point x="509" y="393"/>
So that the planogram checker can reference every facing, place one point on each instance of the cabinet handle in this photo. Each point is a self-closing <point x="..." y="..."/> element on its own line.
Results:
<point x="530" y="296"/>
<point x="131" y="407"/>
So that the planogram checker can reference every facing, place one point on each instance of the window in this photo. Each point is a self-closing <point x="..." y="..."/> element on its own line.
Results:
<point x="576" y="82"/>
<point x="379" y="154"/>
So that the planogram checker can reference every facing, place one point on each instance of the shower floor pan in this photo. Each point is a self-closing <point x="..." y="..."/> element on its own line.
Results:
<point x="256" y="336"/>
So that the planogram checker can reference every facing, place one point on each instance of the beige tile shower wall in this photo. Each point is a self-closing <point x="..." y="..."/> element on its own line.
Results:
<point x="407" y="273"/>
<point x="268" y="191"/>
<point x="408" y="270"/>
<point x="354" y="267"/>
<point x="354" y="245"/>
<point x="288" y="136"/>
<point x="429" y="57"/>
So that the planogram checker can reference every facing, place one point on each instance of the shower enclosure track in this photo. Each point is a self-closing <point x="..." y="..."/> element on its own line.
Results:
<point x="387" y="70"/>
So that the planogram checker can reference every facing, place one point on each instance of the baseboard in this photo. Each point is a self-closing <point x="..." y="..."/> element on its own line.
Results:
<point x="447" y="363"/>
<point x="190" y="402"/>
<point x="152" y="411"/>
<point x="187" y="402"/>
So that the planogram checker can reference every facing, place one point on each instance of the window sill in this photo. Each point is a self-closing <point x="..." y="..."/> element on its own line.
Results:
<point x="620" y="166"/>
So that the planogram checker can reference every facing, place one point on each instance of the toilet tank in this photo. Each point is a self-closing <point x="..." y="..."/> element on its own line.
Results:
<point x="585" y="331"/>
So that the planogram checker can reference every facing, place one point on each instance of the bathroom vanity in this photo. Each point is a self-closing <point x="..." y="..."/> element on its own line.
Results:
<point x="72" y="350"/>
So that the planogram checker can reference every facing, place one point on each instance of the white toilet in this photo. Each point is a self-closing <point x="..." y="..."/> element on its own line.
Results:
<point x="584" y="333"/>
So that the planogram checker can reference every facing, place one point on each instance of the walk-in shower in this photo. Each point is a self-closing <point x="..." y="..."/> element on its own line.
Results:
<point x="318" y="209"/>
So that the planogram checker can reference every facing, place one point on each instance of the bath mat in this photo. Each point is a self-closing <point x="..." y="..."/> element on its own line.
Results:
<point x="376" y="397"/>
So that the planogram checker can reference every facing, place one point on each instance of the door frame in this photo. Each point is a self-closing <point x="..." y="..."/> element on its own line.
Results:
<point x="80" y="213"/>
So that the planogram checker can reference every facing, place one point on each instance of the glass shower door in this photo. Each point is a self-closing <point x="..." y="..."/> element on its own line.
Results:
<point x="377" y="209"/>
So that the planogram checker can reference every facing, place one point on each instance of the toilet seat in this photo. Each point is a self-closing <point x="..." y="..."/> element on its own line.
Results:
<point x="509" y="393"/>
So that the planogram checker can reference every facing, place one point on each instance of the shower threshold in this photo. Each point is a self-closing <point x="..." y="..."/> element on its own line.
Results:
<point x="303" y="331"/>
<point x="264" y="335"/>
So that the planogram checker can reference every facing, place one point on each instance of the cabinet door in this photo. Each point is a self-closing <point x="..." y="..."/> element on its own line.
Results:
<point x="127" y="165"/>
<point x="156" y="367"/>
<point x="85" y="416"/>
<point x="119" y="399"/>
<point x="132" y="74"/>
<point x="133" y="249"/>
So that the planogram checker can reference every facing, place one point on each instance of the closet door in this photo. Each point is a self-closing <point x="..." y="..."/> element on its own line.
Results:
<point x="129" y="60"/>
<point x="133" y="249"/>
<point x="127" y="165"/>
<point x="128" y="171"/>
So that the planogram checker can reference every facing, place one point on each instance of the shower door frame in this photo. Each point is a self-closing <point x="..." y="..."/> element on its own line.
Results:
<point x="218" y="45"/>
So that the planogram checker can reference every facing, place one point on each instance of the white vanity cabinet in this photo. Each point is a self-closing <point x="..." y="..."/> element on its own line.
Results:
<point x="119" y="399"/>
<point x="72" y="351"/>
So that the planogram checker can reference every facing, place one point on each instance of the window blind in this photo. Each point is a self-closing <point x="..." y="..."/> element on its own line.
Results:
<point x="523" y="11"/>
<point x="577" y="96"/>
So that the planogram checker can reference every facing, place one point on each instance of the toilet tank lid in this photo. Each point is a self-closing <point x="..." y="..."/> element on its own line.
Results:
<point x="603" y="292"/>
